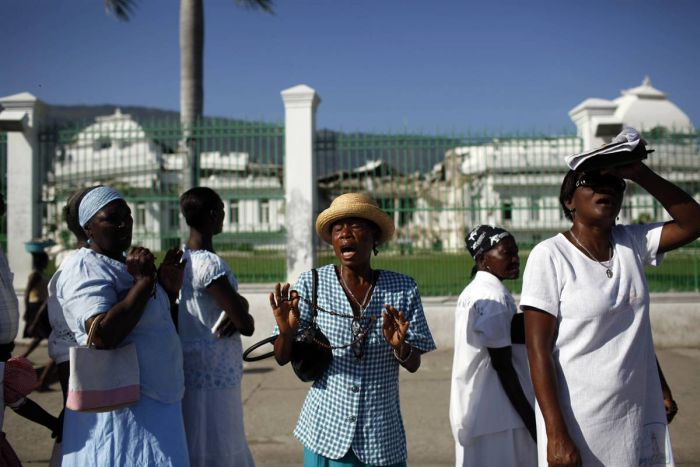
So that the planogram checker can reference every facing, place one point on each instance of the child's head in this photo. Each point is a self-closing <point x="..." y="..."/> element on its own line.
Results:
<point x="202" y="209"/>
<point x="40" y="260"/>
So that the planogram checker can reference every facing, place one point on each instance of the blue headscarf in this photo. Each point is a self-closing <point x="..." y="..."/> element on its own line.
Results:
<point x="95" y="200"/>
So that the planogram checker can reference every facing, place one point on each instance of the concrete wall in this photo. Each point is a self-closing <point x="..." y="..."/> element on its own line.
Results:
<point x="675" y="318"/>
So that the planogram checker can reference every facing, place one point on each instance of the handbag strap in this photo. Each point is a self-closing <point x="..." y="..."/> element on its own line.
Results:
<point x="93" y="328"/>
<point x="271" y="339"/>
<point x="314" y="292"/>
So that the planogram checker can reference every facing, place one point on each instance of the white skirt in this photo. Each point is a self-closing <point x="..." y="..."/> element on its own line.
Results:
<point x="503" y="449"/>
<point x="214" y="427"/>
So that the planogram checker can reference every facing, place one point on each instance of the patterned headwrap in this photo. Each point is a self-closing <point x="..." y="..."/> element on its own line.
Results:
<point x="484" y="237"/>
<point x="95" y="200"/>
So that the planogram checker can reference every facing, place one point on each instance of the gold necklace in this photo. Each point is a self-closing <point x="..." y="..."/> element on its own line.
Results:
<point x="608" y="267"/>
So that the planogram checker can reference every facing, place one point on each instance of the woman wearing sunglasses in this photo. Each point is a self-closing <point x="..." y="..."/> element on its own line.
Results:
<point x="375" y="323"/>
<point x="601" y="397"/>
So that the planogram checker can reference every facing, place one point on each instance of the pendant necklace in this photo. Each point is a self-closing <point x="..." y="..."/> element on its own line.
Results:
<point x="607" y="267"/>
<point x="363" y="304"/>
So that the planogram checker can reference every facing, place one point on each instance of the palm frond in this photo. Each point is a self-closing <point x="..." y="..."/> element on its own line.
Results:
<point x="122" y="9"/>
<point x="264" y="5"/>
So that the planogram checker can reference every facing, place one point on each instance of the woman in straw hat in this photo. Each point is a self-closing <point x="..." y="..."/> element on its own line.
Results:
<point x="351" y="416"/>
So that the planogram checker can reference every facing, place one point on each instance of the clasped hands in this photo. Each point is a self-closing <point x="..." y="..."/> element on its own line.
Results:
<point x="141" y="264"/>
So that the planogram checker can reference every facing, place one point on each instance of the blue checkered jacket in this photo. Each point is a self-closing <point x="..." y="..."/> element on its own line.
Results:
<point x="356" y="402"/>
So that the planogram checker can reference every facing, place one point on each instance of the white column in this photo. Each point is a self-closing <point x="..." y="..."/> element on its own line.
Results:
<point x="595" y="122"/>
<point x="300" y="185"/>
<point x="20" y="117"/>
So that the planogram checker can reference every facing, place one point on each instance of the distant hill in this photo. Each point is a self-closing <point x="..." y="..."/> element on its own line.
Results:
<point x="70" y="114"/>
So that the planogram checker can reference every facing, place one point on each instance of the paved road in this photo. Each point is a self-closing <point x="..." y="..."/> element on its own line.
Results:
<point x="272" y="397"/>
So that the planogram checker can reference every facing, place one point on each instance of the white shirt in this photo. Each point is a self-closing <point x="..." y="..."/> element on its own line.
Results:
<point x="9" y="305"/>
<point x="608" y="383"/>
<point x="478" y="403"/>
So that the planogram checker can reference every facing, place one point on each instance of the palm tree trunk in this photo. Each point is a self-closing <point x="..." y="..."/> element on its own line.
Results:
<point x="191" y="83"/>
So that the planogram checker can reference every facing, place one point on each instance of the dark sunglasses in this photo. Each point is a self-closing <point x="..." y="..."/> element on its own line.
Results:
<point x="596" y="180"/>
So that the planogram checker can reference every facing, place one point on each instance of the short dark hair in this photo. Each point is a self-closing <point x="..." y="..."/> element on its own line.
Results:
<point x="71" y="213"/>
<point x="566" y="193"/>
<point x="40" y="260"/>
<point x="196" y="203"/>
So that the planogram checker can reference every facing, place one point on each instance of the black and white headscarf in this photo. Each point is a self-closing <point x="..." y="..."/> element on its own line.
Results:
<point x="484" y="237"/>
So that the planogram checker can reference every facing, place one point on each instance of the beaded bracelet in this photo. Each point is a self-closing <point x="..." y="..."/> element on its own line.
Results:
<point x="410" y="351"/>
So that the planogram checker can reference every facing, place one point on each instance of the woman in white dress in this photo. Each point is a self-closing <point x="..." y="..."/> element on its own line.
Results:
<point x="212" y="407"/>
<point x="491" y="400"/>
<point x="600" y="392"/>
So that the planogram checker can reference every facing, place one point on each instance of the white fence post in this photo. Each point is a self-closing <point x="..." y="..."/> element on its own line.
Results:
<point x="20" y="118"/>
<point x="300" y="185"/>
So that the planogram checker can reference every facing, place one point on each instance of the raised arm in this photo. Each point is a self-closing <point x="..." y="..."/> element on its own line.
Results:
<point x="121" y="319"/>
<point x="170" y="274"/>
<point x="395" y="329"/>
<point x="540" y="328"/>
<point x="285" y="307"/>
<point x="684" y="210"/>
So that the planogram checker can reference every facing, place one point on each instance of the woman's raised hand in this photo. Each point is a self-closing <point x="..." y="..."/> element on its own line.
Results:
<point x="628" y="171"/>
<point x="171" y="271"/>
<point x="141" y="263"/>
<point x="285" y="307"/>
<point x="394" y="327"/>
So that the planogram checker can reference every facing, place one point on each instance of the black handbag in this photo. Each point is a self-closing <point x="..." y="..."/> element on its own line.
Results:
<point x="311" y="350"/>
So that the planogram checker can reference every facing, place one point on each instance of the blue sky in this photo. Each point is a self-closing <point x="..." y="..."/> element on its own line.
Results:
<point x="377" y="64"/>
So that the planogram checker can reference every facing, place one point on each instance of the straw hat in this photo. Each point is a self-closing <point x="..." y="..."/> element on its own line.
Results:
<point x="354" y="205"/>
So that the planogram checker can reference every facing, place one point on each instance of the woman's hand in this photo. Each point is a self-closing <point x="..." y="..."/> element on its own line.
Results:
<point x="671" y="409"/>
<point x="285" y="307"/>
<point x="628" y="171"/>
<point x="171" y="271"/>
<point x="669" y="404"/>
<point x="141" y="263"/>
<point x="562" y="452"/>
<point x="394" y="328"/>
<point x="226" y="328"/>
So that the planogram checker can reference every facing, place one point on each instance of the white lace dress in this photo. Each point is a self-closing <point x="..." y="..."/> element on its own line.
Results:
<point x="212" y="407"/>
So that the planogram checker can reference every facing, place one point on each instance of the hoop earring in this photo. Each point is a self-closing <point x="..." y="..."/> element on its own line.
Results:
<point x="89" y="241"/>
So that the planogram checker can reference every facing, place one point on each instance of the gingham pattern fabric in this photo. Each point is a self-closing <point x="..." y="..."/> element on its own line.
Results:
<point x="356" y="402"/>
<point x="9" y="306"/>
